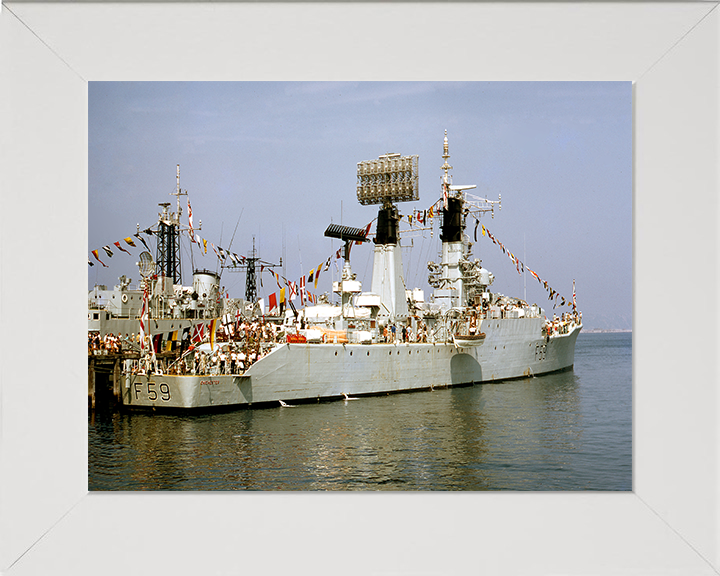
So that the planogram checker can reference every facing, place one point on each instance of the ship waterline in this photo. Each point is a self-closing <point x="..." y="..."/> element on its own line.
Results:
<point x="513" y="348"/>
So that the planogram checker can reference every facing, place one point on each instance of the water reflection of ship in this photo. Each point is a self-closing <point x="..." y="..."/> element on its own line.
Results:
<point x="519" y="435"/>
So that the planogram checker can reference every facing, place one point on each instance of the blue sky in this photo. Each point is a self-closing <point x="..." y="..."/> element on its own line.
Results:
<point x="281" y="157"/>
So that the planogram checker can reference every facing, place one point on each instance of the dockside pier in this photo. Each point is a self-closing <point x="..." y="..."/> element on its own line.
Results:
<point x="105" y="372"/>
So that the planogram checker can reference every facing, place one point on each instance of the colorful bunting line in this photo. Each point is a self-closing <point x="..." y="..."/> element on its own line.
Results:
<point x="290" y="290"/>
<point x="553" y="295"/>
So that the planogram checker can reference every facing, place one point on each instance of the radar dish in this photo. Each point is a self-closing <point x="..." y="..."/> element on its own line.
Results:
<point x="146" y="264"/>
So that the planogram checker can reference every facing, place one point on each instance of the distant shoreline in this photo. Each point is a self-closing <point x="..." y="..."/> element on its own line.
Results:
<point x="598" y="331"/>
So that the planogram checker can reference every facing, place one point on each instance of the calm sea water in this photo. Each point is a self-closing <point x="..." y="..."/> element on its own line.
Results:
<point x="568" y="431"/>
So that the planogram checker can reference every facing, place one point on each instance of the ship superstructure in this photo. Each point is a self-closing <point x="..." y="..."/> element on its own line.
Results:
<point x="385" y="340"/>
<point x="171" y="305"/>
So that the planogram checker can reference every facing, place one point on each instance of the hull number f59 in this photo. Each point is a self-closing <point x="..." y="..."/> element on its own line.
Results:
<point x="152" y="390"/>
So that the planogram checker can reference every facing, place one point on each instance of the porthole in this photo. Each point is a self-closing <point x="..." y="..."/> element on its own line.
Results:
<point x="335" y="352"/>
<point x="368" y="353"/>
<point x="350" y="352"/>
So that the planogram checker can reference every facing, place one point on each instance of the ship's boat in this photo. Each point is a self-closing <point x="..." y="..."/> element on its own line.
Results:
<point x="386" y="340"/>
<point x="467" y="340"/>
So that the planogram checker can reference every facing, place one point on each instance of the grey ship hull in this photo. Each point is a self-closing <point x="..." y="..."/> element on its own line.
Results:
<point x="513" y="348"/>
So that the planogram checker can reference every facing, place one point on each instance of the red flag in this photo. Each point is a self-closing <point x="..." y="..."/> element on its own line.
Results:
<point x="198" y="332"/>
<point x="367" y="231"/>
<point x="120" y="247"/>
<point x="272" y="303"/>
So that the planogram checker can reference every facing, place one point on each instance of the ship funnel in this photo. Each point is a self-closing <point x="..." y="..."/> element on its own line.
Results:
<point x="387" y="226"/>
<point x="452" y="227"/>
<point x="206" y="286"/>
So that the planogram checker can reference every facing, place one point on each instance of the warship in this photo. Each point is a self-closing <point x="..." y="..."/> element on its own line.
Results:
<point x="386" y="340"/>
<point x="169" y="306"/>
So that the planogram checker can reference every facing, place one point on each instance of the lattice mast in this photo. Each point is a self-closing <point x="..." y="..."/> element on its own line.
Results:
<point x="249" y="264"/>
<point x="168" y="241"/>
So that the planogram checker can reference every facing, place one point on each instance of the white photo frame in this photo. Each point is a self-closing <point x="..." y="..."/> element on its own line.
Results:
<point x="669" y="524"/>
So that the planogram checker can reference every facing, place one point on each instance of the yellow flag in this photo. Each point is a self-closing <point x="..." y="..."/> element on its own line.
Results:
<point x="212" y="334"/>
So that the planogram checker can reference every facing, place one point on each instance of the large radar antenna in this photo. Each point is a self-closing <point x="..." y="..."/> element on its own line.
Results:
<point x="347" y="235"/>
<point x="390" y="178"/>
